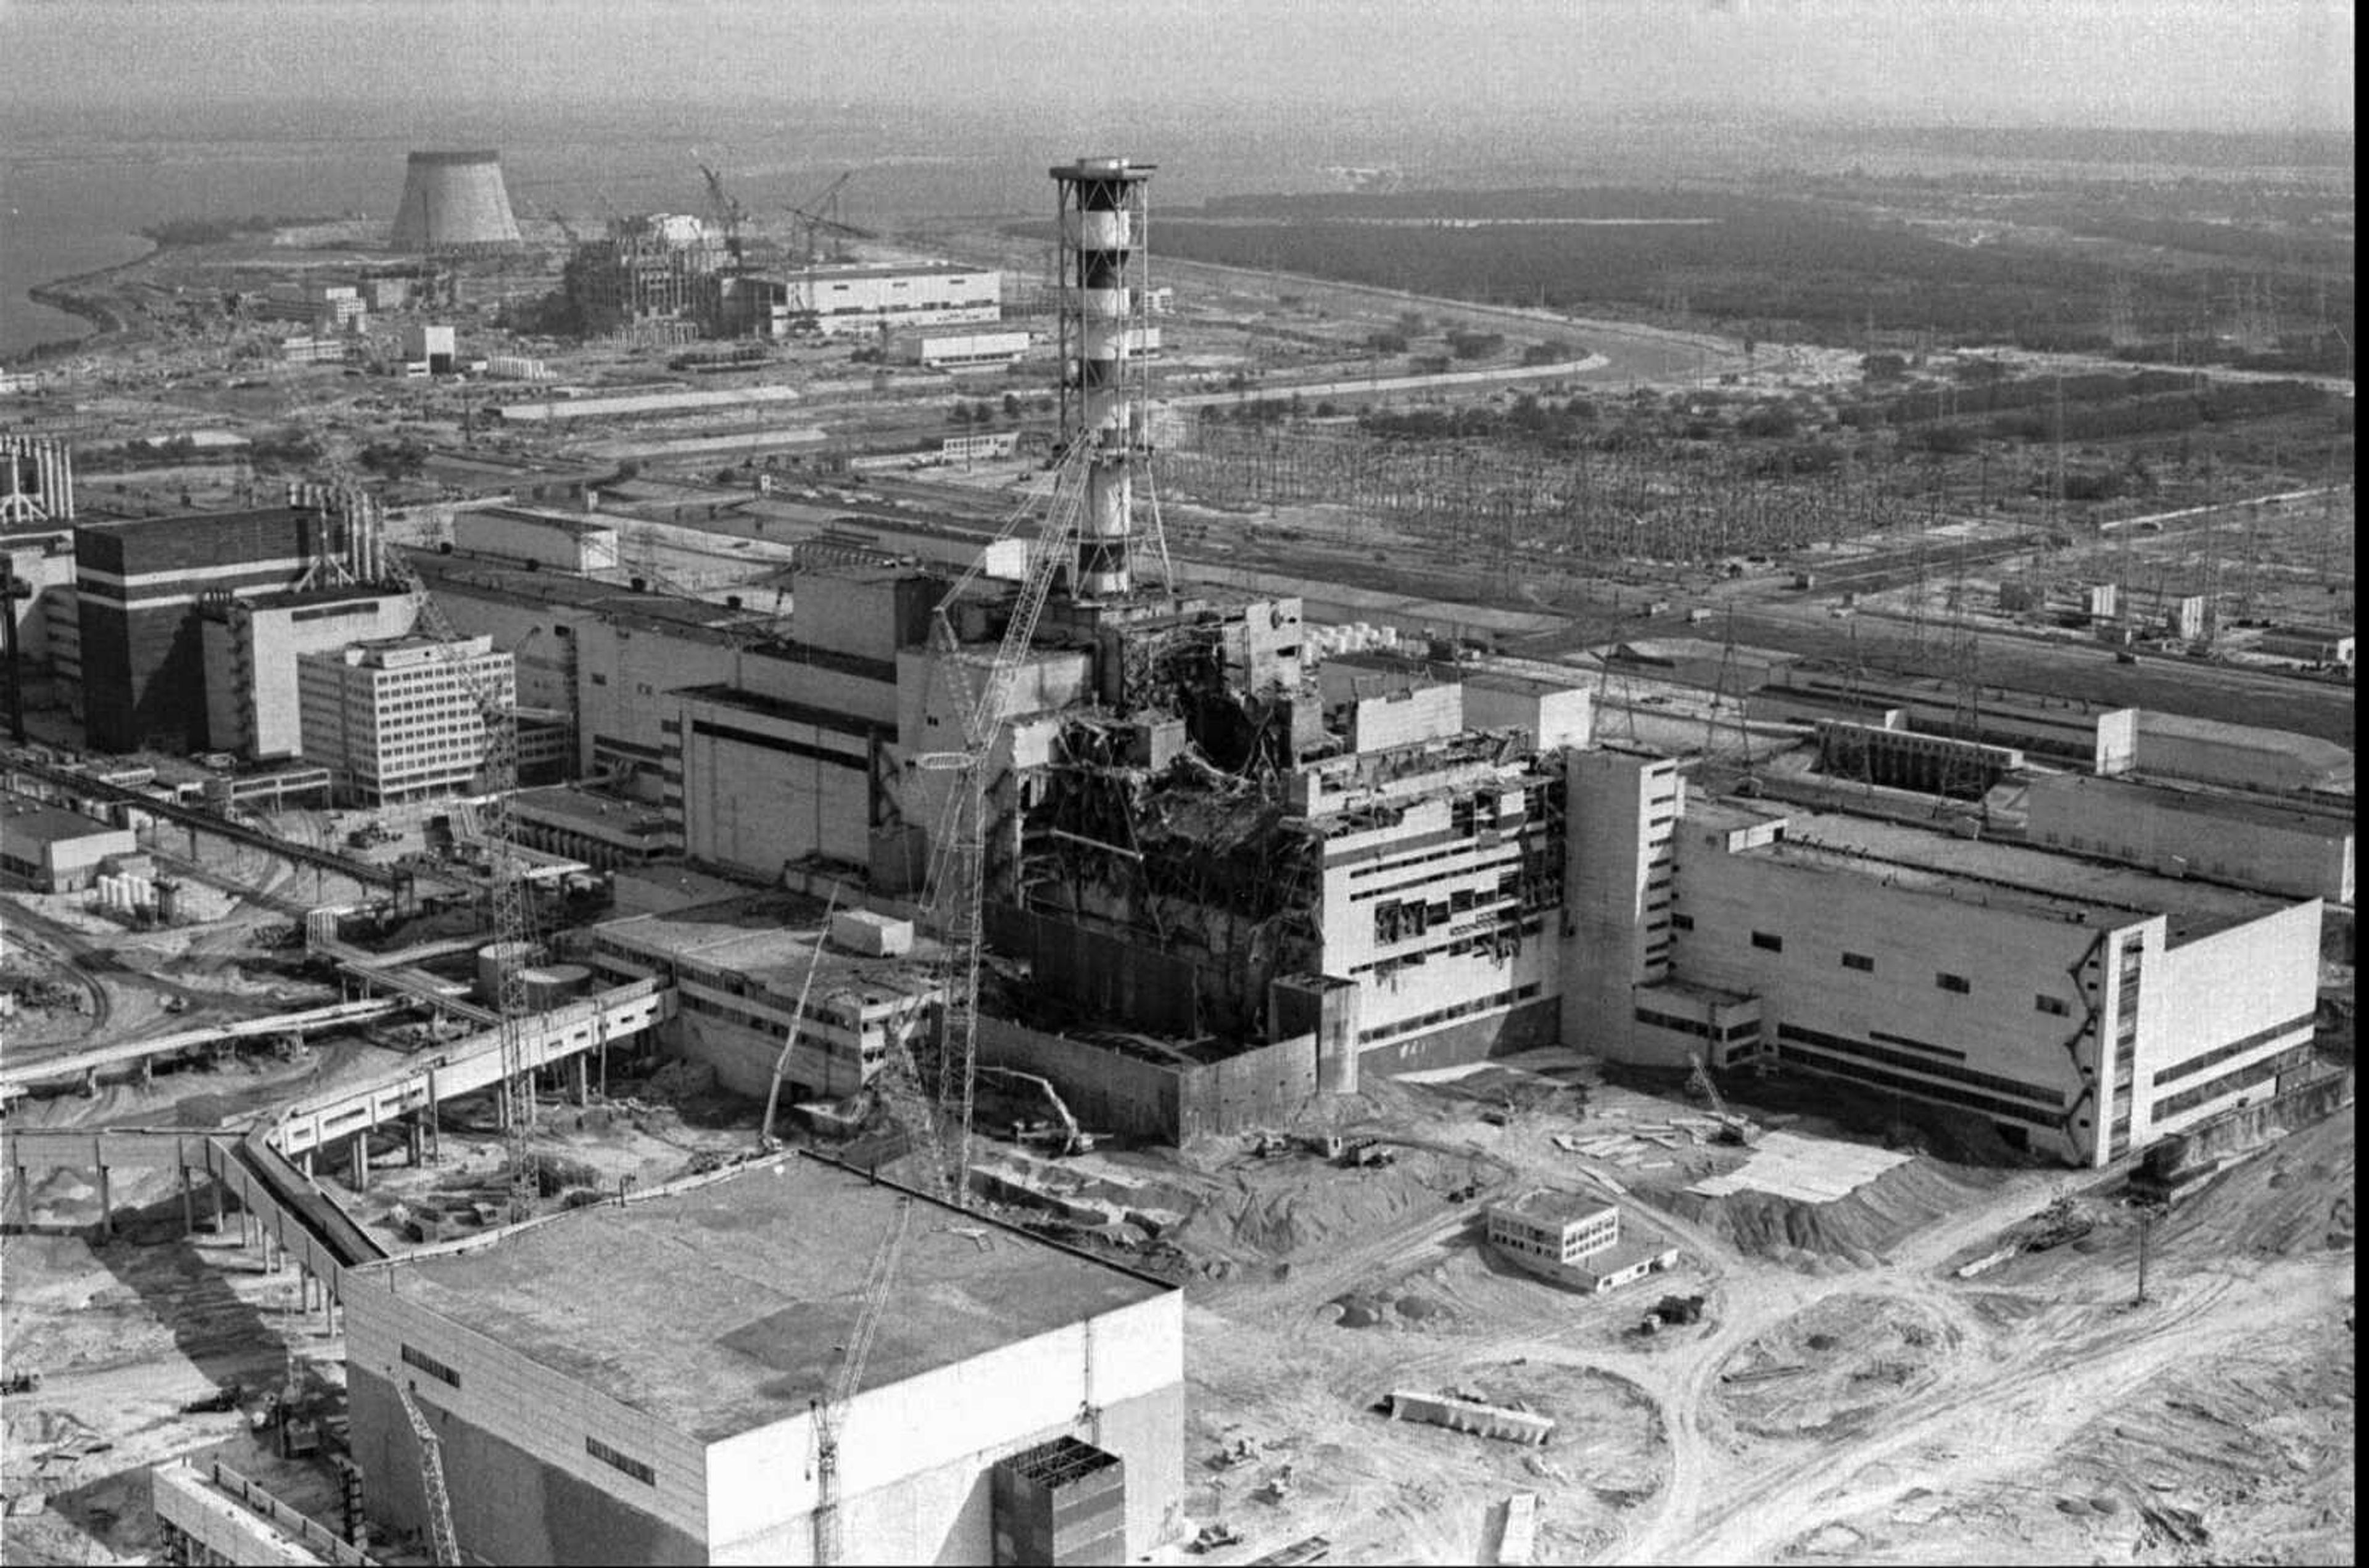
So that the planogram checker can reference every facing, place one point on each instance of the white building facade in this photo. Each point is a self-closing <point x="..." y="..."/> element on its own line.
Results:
<point x="401" y="718"/>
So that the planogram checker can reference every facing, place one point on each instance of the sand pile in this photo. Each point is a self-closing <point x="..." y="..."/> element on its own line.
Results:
<point x="1313" y="1207"/>
<point x="1858" y="1227"/>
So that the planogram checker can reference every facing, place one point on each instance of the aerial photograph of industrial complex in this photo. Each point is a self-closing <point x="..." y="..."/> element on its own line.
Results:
<point x="1228" y="782"/>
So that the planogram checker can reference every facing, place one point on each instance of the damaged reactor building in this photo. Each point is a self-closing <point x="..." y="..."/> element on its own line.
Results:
<point x="1215" y="876"/>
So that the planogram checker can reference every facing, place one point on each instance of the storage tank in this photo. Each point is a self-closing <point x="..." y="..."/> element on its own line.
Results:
<point x="546" y="989"/>
<point x="490" y="960"/>
<point x="555" y="985"/>
<point x="168" y="902"/>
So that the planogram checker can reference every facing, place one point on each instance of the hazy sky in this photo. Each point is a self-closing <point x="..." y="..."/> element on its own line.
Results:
<point x="2206" y="64"/>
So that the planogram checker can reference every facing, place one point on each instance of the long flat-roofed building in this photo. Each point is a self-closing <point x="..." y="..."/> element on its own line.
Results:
<point x="634" y="1383"/>
<point x="2294" y="845"/>
<point x="741" y="970"/>
<point x="2084" y="1009"/>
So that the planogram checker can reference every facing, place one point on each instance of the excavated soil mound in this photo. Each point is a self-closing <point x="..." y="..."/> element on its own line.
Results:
<point x="1854" y="1229"/>
<point x="1305" y="1206"/>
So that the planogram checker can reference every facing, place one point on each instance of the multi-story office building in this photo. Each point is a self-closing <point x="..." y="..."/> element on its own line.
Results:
<point x="400" y="718"/>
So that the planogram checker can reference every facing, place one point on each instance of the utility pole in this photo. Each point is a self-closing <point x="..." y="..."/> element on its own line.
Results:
<point x="2147" y="1224"/>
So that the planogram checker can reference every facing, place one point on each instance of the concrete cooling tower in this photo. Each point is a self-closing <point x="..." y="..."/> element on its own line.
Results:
<point x="453" y="201"/>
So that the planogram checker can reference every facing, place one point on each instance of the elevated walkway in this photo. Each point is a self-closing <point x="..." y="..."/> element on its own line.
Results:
<point x="19" y="1076"/>
<point x="290" y="1210"/>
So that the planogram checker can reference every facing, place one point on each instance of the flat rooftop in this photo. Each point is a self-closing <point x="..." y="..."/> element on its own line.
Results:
<point x="604" y="812"/>
<point x="723" y="1307"/>
<point x="302" y="598"/>
<point x="769" y="940"/>
<point x="1550" y="1206"/>
<point x="2316" y="816"/>
<point x="1987" y="872"/>
<point x="48" y="825"/>
<point x="579" y="523"/>
<point x="502" y="578"/>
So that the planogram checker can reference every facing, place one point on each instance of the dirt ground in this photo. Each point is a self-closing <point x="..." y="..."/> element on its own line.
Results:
<point x="1846" y="1394"/>
<point x="1849" y="1392"/>
<point x="124" y="1335"/>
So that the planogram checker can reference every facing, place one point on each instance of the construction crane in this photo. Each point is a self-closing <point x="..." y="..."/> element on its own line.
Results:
<point x="797" y="1022"/>
<point x="1733" y="1128"/>
<point x="431" y="1478"/>
<point x="955" y="890"/>
<point x="830" y="1411"/>
<point x="566" y="228"/>
<point x="821" y="215"/>
<point x="727" y="211"/>
<point x="511" y="910"/>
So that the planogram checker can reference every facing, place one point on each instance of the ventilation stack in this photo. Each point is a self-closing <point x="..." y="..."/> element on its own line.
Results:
<point x="453" y="203"/>
<point x="1101" y="310"/>
<point x="39" y="484"/>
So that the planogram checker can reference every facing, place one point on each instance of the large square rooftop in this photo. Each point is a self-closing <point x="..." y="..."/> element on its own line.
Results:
<point x="723" y="1307"/>
<point x="1986" y="871"/>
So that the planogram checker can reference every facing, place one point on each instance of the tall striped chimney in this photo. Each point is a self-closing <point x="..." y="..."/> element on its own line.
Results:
<point x="1102" y="313"/>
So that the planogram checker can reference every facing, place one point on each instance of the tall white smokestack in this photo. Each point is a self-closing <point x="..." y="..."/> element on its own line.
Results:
<point x="1102" y="313"/>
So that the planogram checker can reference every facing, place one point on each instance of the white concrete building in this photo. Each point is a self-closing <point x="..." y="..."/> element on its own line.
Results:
<point x="1573" y="1240"/>
<point x="399" y="719"/>
<point x="251" y="648"/>
<point x="959" y="350"/>
<point x="432" y="344"/>
<point x="567" y="542"/>
<point x="634" y="1382"/>
<point x="1441" y="868"/>
<point x="737" y="971"/>
<point x="54" y="849"/>
<point x="2293" y="846"/>
<point x="862" y="299"/>
<point x="2083" y="1009"/>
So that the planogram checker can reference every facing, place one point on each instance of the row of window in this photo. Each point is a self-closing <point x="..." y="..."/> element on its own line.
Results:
<point x="2245" y="1077"/>
<point x="1445" y="1014"/>
<point x="2210" y="1058"/>
<point x="1769" y="942"/>
<point x="429" y="1364"/>
<point x="1749" y="1029"/>
<point x="1484" y="862"/>
<point x="1501" y="939"/>
<point x="1823" y="1041"/>
<point x="633" y="1467"/>
<point x="1863" y="1073"/>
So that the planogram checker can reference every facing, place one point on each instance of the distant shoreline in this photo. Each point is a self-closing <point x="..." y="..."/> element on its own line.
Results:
<point x="59" y="294"/>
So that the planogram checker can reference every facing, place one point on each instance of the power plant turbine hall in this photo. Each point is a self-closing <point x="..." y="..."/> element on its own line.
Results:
<point x="453" y="201"/>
